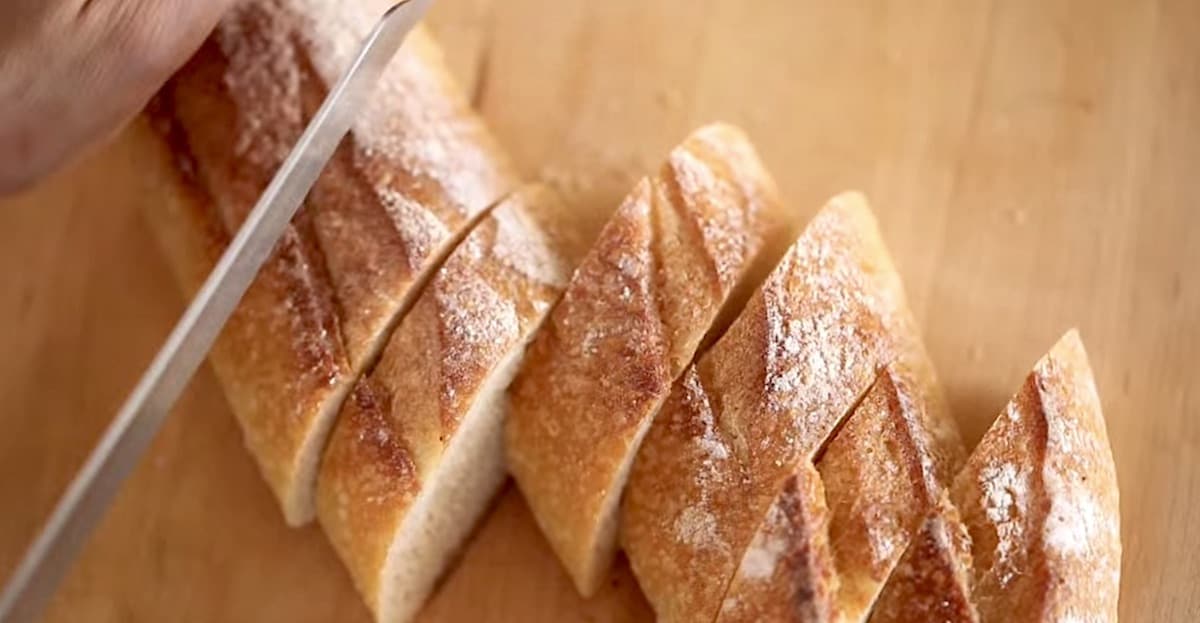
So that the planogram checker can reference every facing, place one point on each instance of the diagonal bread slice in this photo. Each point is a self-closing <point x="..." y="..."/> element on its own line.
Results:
<point x="932" y="581"/>
<point x="1039" y="498"/>
<point x="417" y="452"/>
<point x="685" y="245"/>
<point x="764" y="399"/>
<point x="416" y="170"/>
<point x="787" y="572"/>
<point x="883" y="473"/>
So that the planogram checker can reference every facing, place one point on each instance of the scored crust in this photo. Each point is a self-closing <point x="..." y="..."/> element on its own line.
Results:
<point x="882" y="474"/>
<point x="764" y="398"/>
<point x="415" y="168"/>
<point x="417" y="452"/>
<point x="1039" y="498"/>
<point x="414" y="172"/>
<point x="787" y="573"/>
<point x="932" y="581"/>
<point x="279" y="357"/>
<point x="682" y="246"/>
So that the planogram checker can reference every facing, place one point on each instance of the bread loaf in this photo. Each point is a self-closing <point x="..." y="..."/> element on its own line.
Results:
<point x="687" y="243"/>
<point x="415" y="171"/>
<point x="796" y="471"/>
<point x="763" y="400"/>
<point x="417" y="452"/>
<point x="1039" y="498"/>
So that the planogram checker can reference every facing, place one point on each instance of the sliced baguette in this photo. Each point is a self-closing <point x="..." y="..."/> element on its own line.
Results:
<point x="885" y="472"/>
<point x="932" y="581"/>
<point x="1039" y="498"/>
<point x="686" y="244"/>
<point x="764" y="399"/>
<point x="417" y="452"/>
<point x="788" y="574"/>
<point x="280" y="358"/>
<point x="409" y="180"/>
<point x="882" y="474"/>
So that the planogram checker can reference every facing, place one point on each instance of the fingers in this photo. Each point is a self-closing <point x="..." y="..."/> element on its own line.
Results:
<point x="72" y="79"/>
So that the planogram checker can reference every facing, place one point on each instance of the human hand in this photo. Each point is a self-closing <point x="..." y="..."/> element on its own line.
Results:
<point x="72" y="72"/>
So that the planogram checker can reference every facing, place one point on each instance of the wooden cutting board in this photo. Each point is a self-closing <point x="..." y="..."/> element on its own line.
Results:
<point x="1035" y="165"/>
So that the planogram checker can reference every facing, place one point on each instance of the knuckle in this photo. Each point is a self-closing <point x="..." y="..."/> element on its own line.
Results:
<point x="148" y="38"/>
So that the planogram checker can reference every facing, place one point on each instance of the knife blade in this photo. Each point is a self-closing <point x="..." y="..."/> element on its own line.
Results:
<point x="126" y="438"/>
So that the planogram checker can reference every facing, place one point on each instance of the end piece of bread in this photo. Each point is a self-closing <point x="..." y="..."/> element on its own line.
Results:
<point x="764" y="398"/>
<point x="685" y="244"/>
<point x="788" y="572"/>
<point x="417" y="452"/>
<point x="415" y="171"/>
<point x="280" y="358"/>
<point x="1039" y="497"/>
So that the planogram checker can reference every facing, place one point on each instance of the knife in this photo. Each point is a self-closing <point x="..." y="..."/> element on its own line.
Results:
<point x="125" y="440"/>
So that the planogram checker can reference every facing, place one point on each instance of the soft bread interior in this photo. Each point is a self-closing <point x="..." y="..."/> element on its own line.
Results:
<point x="300" y="506"/>
<point x="451" y="501"/>
<point x="605" y="544"/>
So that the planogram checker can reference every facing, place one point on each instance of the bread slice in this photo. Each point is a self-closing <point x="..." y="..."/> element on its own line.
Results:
<point x="416" y="170"/>
<point x="882" y="474"/>
<point x="788" y="571"/>
<point x="932" y="581"/>
<point x="763" y="400"/>
<point x="885" y="472"/>
<point x="1039" y="498"/>
<point x="417" y="452"/>
<point x="685" y="244"/>
<point x="280" y="358"/>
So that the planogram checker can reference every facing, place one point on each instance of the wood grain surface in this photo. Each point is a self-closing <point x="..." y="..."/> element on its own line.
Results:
<point x="1035" y="165"/>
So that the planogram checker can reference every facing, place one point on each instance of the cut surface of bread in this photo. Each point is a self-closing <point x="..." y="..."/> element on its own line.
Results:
<point x="1039" y="498"/>
<point x="417" y="452"/>
<point x="763" y="399"/>
<point x="682" y="246"/>
<point x="415" y="171"/>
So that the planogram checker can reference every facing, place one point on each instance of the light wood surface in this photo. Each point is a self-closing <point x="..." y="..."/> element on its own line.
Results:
<point x="1035" y="165"/>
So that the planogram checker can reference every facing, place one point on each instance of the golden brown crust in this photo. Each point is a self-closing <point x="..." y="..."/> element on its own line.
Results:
<point x="279" y="358"/>
<point x="413" y="174"/>
<point x="285" y="301"/>
<point x="416" y="167"/>
<point x="764" y="398"/>
<point x="787" y="572"/>
<point x="483" y="304"/>
<point x="631" y="319"/>
<point x="882" y="474"/>
<point x="1039" y="497"/>
<point x="931" y="583"/>
<point x="885" y="471"/>
<point x="408" y="182"/>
